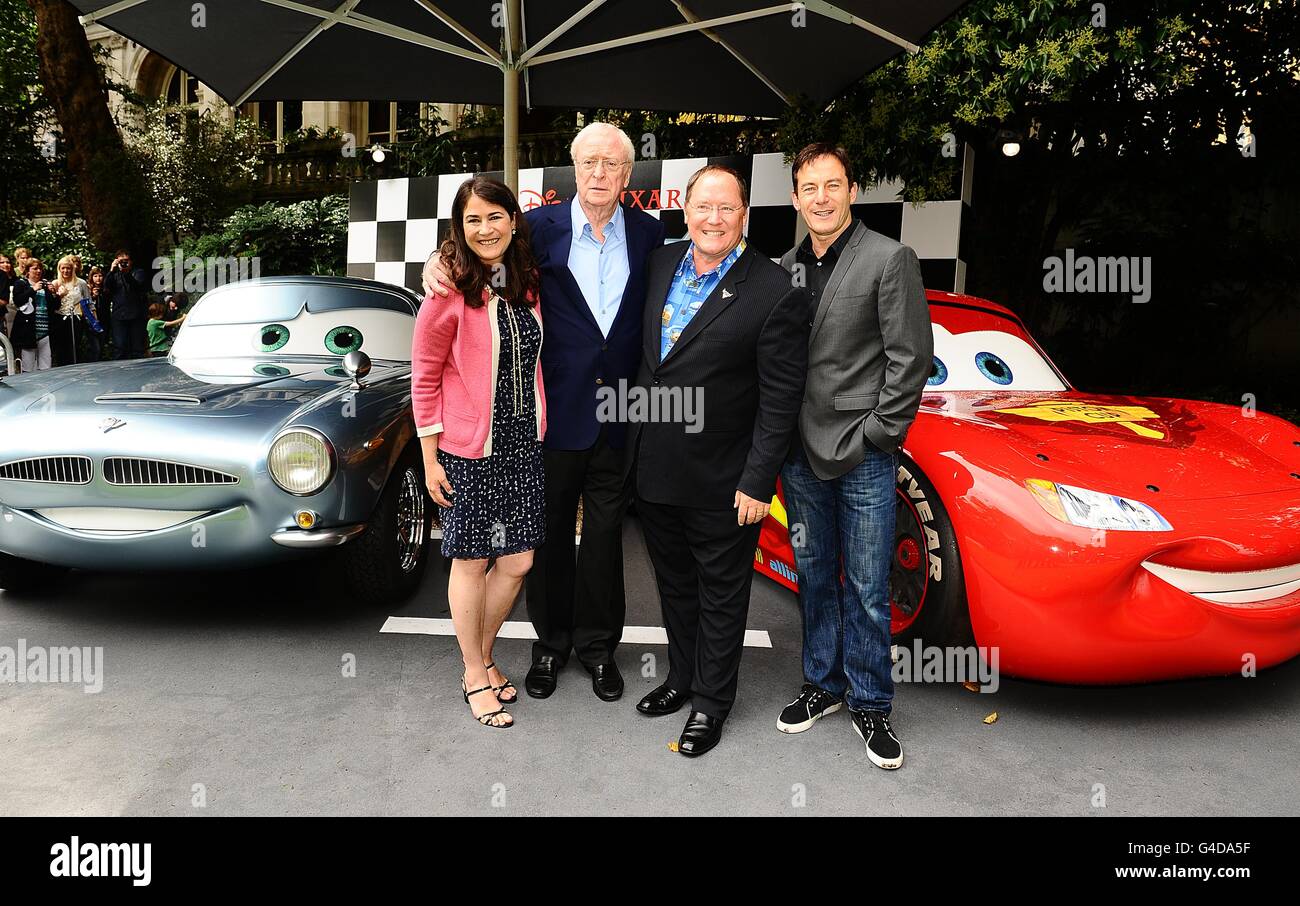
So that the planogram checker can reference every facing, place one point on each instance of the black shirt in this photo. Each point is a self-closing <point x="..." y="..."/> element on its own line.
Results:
<point x="817" y="271"/>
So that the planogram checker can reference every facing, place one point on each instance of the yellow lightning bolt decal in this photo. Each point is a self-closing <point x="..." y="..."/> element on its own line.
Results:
<point x="777" y="512"/>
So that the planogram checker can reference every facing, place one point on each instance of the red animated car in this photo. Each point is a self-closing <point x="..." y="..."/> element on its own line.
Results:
<point x="1092" y="539"/>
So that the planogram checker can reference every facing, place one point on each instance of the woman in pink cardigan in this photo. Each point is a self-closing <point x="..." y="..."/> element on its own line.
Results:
<point x="480" y="413"/>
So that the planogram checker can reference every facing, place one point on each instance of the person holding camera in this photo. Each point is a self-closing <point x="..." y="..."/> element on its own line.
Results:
<point x="126" y="291"/>
<point x="36" y="307"/>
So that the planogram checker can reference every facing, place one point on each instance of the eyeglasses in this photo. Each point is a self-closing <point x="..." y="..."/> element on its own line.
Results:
<point x="590" y="164"/>
<point x="706" y="210"/>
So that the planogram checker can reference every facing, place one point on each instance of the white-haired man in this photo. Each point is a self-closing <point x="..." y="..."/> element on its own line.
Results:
<point x="592" y="253"/>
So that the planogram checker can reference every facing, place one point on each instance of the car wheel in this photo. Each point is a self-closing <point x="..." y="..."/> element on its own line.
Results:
<point x="385" y="563"/>
<point x="927" y="591"/>
<point x="17" y="574"/>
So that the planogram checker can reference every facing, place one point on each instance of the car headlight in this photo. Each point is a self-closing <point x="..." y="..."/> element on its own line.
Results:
<point x="1095" y="510"/>
<point x="301" y="461"/>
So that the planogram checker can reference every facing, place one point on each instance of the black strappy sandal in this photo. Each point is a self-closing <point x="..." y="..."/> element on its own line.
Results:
<point x="485" y="719"/>
<point x="504" y="686"/>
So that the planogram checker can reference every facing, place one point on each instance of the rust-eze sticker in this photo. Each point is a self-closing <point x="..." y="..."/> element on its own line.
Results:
<point x="1091" y="413"/>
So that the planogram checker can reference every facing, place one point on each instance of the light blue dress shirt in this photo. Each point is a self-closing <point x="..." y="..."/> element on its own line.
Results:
<point x="601" y="269"/>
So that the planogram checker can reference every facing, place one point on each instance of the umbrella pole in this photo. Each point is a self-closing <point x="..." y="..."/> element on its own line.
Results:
<point x="510" y="137"/>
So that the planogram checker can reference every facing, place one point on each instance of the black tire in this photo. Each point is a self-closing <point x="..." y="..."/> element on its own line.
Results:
<point x="19" y="575"/>
<point x="384" y="565"/>
<point x="926" y="584"/>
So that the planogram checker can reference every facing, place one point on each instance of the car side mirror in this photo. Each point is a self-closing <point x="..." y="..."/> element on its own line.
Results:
<point x="357" y="365"/>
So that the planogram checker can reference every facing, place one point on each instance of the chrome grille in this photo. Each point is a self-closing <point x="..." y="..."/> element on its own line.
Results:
<point x="130" y="470"/>
<point x="48" y="469"/>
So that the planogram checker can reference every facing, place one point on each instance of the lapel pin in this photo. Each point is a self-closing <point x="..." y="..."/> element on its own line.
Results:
<point x="726" y="293"/>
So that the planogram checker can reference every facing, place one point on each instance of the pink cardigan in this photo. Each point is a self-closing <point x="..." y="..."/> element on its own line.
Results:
<point x="454" y="357"/>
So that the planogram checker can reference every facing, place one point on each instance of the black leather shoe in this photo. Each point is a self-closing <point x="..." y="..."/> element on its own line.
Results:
<point x="662" y="701"/>
<point x="606" y="681"/>
<point x="540" y="681"/>
<point x="700" y="734"/>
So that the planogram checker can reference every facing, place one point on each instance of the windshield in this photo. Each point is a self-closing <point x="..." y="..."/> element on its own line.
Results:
<point x="297" y="319"/>
<point x="988" y="360"/>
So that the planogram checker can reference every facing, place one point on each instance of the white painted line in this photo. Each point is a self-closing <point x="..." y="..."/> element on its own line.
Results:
<point x="519" y="629"/>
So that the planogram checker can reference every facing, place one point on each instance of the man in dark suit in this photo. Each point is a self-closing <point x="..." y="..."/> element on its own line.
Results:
<point x="725" y="325"/>
<point x="592" y="253"/>
<point x="870" y="352"/>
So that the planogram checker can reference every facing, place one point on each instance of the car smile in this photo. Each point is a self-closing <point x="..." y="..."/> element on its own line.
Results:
<point x="1232" y="588"/>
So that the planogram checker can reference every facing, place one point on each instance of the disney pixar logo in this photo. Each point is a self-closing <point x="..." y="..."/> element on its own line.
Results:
<point x="641" y="199"/>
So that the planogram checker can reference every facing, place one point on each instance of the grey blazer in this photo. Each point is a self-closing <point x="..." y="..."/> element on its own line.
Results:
<point x="869" y="354"/>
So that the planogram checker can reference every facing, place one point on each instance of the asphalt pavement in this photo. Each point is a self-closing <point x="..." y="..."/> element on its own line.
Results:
<point x="233" y="693"/>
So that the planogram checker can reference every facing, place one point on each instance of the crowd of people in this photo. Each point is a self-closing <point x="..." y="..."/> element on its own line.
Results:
<point x="55" y="316"/>
<point x="811" y="370"/>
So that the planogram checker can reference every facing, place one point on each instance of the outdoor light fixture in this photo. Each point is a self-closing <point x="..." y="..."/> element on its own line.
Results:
<point x="377" y="154"/>
<point x="1009" y="141"/>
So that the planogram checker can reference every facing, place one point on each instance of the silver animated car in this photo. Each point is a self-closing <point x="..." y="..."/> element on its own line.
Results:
<point x="279" y="425"/>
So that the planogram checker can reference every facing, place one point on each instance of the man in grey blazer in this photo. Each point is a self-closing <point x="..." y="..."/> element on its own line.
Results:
<point x="870" y="352"/>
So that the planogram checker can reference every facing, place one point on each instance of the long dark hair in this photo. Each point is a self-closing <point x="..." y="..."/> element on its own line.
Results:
<point x="469" y="273"/>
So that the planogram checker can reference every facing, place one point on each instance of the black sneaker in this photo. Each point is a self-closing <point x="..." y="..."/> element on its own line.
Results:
<point x="812" y="704"/>
<point x="883" y="747"/>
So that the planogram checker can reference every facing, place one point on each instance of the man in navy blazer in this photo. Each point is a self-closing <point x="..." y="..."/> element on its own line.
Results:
<point x="592" y="252"/>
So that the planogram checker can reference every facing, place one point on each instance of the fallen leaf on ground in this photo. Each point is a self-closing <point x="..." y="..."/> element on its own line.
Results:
<point x="992" y="718"/>
<point x="672" y="746"/>
<point x="971" y="686"/>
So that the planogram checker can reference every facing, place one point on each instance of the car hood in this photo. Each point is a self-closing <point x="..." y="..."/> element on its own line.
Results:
<point x="208" y="387"/>
<point x="1126" y="445"/>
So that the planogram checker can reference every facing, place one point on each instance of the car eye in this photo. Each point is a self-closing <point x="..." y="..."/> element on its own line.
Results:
<point x="342" y="340"/>
<point x="272" y="337"/>
<point x="266" y="369"/>
<point x="938" y="373"/>
<point x="993" y="368"/>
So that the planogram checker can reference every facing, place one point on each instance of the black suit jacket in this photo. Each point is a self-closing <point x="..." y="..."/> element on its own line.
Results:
<point x="746" y="350"/>
<point x="127" y="294"/>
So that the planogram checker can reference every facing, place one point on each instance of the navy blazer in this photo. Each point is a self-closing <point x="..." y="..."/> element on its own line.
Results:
<point x="577" y="359"/>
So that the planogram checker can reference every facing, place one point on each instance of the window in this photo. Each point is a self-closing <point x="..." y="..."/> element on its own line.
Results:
<point x="276" y="119"/>
<point x="182" y="88"/>
<point x="391" y="121"/>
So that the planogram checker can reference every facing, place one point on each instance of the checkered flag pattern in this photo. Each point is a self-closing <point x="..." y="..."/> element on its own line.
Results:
<point x="395" y="224"/>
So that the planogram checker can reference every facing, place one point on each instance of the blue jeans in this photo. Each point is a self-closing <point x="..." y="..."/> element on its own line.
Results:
<point x="850" y="521"/>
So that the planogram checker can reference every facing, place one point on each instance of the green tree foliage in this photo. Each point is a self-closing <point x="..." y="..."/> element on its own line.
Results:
<point x="27" y="177"/>
<point x="307" y="237"/>
<point x="1056" y="70"/>
<point x="198" y="165"/>
<point x="51" y="241"/>
<point x="661" y="135"/>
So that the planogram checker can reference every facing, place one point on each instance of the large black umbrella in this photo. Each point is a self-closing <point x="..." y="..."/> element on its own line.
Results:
<point x="719" y="56"/>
